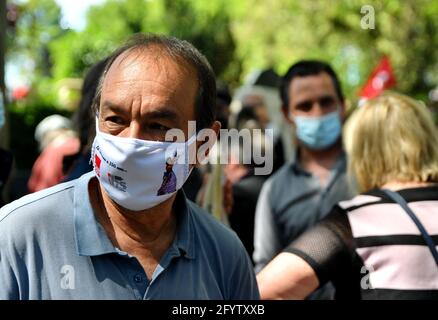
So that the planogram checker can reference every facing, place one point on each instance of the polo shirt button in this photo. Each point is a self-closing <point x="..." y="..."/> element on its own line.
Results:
<point x="138" y="278"/>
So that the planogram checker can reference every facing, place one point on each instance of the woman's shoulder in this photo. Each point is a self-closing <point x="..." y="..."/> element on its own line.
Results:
<point x="360" y="200"/>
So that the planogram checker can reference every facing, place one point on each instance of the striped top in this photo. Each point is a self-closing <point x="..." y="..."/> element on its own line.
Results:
<point x="371" y="249"/>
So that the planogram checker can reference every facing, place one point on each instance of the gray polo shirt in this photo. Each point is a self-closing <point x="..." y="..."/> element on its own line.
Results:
<point x="52" y="247"/>
<point x="291" y="201"/>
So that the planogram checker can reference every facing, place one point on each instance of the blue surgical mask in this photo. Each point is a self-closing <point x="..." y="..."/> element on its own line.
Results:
<point x="318" y="133"/>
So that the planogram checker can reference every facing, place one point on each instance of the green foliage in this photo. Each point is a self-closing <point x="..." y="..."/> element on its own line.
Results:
<point x="110" y="24"/>
<point x="69" y="53"/>
<point x="37" y="26"/>
<point x="237" y="37"/>
<point x="281" y="32"/>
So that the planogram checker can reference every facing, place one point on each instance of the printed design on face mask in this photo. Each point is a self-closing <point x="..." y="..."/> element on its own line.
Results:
<point x="97" y="162"/>
<point x="169" y="178"/>
<point x="117" y="182"/>
<point x="110" y="163"/>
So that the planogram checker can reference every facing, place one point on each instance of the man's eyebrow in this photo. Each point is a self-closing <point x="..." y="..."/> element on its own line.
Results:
<point x="327" y="96"/>
<point x="164" y="113"/>
<point x="108" y="105"/>
<point x="305" y="102"/>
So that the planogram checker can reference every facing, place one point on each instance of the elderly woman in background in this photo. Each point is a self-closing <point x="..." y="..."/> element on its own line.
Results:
<point x="382" y="243"/>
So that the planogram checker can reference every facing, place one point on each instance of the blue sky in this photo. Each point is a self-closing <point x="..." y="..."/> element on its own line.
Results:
<point x="74" y="12"/>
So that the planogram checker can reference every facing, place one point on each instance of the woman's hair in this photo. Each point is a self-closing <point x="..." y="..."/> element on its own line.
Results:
<point x="391" y="138"/>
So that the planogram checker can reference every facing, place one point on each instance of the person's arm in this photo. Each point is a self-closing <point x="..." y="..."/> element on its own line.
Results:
<point x="266" y="235"/>
<point x="287" y="277"/>
<point x="323" y="253"/>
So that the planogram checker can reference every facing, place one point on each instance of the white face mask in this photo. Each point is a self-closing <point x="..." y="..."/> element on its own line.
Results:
<point x="140" y="174"/>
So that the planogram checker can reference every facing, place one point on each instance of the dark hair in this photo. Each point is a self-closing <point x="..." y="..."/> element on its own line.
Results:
<point x="205" y="104"/>
<point x="223" y="92"/>
<point x="84" y="118"/>
<point x="305" y="68"/>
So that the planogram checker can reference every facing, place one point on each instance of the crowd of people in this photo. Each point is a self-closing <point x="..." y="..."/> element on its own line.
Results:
<point x="347" y="211"/>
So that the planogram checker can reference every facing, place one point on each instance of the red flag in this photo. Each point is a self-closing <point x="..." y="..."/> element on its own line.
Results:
<point x="381" y="78"/>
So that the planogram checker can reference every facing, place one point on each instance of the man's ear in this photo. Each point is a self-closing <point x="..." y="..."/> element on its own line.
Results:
<point x="216" y="127"/>
<point x="207" y="140"/>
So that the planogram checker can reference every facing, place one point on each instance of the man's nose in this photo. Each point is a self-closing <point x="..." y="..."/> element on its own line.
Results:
<point x="134" y="130"/>
<point x="317" y="110"/>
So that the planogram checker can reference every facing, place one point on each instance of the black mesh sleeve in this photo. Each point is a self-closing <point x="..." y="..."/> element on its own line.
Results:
<point x="327" y="247"/>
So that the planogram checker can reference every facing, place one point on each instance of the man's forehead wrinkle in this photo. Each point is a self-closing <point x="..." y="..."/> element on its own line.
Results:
<point x="154" y="58"/>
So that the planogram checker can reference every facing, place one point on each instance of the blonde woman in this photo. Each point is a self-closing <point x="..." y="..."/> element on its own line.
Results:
<point x="382" y="243"/>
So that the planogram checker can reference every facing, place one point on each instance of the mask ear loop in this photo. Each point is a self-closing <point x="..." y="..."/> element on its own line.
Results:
<point x="97" y="124"/>
<point x="91" y="162"/>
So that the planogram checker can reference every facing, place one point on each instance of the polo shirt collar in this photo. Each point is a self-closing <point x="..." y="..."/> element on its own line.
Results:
<point x="92" y="240"/>
<point x="90" y="237"/>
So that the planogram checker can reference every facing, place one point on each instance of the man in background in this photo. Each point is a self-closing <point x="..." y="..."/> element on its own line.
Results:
<point x="303" y="191"/>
